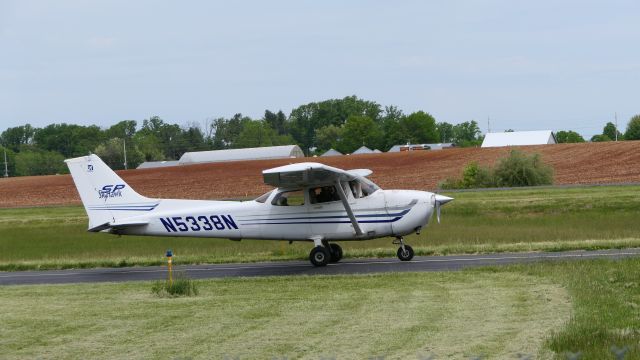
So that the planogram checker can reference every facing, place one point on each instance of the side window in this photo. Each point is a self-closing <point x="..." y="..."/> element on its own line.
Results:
<point x="289" y="198"/>
<point x="323" y="194"/>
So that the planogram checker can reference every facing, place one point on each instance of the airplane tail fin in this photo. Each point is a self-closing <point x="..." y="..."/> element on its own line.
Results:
<point x="105" y="196"/>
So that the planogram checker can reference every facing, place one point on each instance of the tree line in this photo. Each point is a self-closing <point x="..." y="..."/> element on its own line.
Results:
<point x="609" y="133"/>
<point x="342" y="124"/>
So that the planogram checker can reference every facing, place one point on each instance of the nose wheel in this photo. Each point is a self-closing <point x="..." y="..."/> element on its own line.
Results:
<point x="405" y="252"/>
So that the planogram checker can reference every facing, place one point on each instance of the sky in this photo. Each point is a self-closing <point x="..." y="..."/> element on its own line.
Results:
<point x="522" y="65"/>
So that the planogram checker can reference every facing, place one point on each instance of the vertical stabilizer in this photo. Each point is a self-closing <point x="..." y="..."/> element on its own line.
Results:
<point x="105" y="196"/>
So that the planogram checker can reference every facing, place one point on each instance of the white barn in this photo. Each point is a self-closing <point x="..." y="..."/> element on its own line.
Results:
<point x="259" y="153"/>
<point x="519" y="138"/>
<point x="157" y="164"/>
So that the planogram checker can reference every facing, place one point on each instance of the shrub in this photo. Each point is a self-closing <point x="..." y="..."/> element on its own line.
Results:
<point x="521" y="170"/>
<point x="180" y="286"/>
<point x="517" y="169"/>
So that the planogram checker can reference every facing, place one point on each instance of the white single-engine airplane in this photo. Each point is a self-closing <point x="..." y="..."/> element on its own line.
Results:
<point x="311" y="202"/>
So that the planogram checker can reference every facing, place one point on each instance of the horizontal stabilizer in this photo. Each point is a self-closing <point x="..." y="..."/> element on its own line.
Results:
<point x="117" y="226"/>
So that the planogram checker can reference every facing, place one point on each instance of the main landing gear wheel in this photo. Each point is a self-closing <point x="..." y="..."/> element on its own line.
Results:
<point x="320" y="256"/>
<point x="405" y="254"/>
<point x="336" y="252"/>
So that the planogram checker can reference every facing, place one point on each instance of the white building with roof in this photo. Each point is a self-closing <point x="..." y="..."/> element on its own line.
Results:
<point x="332" y="152"/>
<point x="519" y="138"/>
<point x="362" y="150"/>
<point x="157" y="164"/>
<point x="259" y="153"/>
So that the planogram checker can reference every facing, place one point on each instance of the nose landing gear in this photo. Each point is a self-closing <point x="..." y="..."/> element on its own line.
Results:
<point x="405" y="252"/>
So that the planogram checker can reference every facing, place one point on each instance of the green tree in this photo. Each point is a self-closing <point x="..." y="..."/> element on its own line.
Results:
<point x="112" y="153"/>
<point x="149" y="146"/>
<point x="277" y="121"/>
<point x="305" y="119"/>
<point x="125" y="129"/>
<point x="29" y="163"/>
<point x="419" y="127"/>
<point x="193" y="139"/>
<point x="633" y="129"/>
<point x="600" y="138"/>
<point x="16" y="137"/>
<point x="445" y="132"/>
<point x="391" y="127"/>
<point x="258" y="133"/>
<point x="610" y="131"/>
<point x="228" y="130"/>
<point x="568" y="136"/>
<point x="327" y="137"/>
<point x="68" y="139"/>
<point x="359" y="131"/>
<point x="173" y="139"/>
<point x="467" y="134"/>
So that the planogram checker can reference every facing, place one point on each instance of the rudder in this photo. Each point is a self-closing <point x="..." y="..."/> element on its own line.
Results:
<point x="105" y="196"/>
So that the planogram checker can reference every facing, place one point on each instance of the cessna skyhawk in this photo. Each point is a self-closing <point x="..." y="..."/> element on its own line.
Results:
<point x="311" y="202"/>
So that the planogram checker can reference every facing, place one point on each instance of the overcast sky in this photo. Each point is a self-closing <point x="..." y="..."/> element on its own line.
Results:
<point x="525" y="64"/>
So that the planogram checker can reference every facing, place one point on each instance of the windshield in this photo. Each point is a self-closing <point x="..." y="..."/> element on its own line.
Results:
<point x="362" y="187"/>
<point x="263" y="197"/>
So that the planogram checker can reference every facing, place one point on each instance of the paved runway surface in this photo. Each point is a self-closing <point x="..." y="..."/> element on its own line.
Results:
<point x="347" y="266"/>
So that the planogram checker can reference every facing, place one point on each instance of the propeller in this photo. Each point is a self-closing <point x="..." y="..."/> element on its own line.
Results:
<point x="438" y="201"/>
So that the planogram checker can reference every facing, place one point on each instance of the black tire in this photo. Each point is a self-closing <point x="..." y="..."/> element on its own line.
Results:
<point x="320" y="256"/>
<point x="336" y="252"/>
<point x="407" y="254"/>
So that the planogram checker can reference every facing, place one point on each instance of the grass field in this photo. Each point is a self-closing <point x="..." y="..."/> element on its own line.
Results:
<point x="484" y="221"/>
<point x="545" y="309"/>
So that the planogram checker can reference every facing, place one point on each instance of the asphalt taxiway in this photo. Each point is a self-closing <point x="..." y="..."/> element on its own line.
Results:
<point x="345" y="267"/>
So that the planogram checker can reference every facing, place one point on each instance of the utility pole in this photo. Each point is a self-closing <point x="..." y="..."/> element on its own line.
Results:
<point x="6" y="169"/>
<point x="616" y="117"/>
<point x="124" y="146"/>
<point x="488" y="124"/>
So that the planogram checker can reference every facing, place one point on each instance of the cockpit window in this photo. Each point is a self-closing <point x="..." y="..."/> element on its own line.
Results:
<point x="362" y="187"/>
<point x="263" y="198"/>
<point x="289" y="198"/>
<point x="323" y="194"/>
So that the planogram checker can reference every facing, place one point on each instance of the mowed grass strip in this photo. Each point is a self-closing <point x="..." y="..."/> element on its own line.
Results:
<point x="550" y="219"/>
<point x="605" y="297"/>
<point x="398" y="316"/>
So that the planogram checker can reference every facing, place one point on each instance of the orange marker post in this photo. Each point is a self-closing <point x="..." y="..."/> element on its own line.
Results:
<point x="169" y="256"/>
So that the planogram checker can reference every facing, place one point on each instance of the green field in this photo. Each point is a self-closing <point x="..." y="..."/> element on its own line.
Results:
<point x="483" y="221"/>
<point x="546" y="310"/>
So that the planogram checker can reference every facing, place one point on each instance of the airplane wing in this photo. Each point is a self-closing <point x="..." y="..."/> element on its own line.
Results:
<point x="309" y="174"/>
<point x="316" y="174"/>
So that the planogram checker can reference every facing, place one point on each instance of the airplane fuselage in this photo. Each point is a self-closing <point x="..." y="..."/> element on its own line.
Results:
<point x="381" y="214"/>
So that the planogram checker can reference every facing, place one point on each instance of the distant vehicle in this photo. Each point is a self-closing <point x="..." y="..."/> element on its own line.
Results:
<point x="415" y="147"/>
<point x="312" y="202"/>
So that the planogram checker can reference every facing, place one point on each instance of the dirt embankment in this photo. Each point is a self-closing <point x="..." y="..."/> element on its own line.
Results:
<point x="586" y="163"/>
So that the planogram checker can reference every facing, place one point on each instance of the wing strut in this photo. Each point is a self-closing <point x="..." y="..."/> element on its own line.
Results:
<point x="347" y="207"/>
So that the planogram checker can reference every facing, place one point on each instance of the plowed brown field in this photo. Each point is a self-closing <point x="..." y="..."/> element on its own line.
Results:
<point x="586" y="163"/>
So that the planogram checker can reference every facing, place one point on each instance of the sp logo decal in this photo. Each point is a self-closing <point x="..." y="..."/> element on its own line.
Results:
<point x="111" y="191"/>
